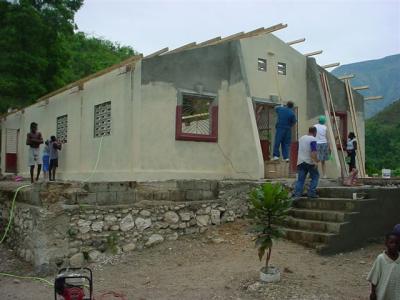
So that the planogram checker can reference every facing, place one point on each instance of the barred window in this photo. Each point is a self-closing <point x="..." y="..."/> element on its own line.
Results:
<point x="62" y="128"/>
<point x="281" y="68"/>
<point x="262" y="64"/>
<point x="197" y="118"/>
<point x="102" y="119"/>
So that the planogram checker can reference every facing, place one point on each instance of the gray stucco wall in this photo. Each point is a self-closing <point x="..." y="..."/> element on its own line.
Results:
<point x="337" y="88"/>
<point x="208" y="66"/>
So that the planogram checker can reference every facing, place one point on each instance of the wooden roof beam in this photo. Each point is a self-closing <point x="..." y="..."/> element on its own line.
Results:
<point x="296" y="41"/>
<point x="331" y="65"/>
<point x="373" y="98"/>
<point x="210" y="41"/>
<point x="313" y="53"/>
<point x="346" y="76"/>
<point x="184" y="47"/>
<point x="161" y="51"/>
<point x="361" y="87"/>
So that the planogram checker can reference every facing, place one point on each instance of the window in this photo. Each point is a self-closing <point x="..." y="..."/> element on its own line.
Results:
<point x="62" y="128"/>
<point x="281" y="68"/>
<point x="262" y="64"/>
<point x="197" y="118"/>
<point x="102" y="119"/>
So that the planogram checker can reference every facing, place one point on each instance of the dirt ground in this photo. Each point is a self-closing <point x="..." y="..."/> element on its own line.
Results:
<point x="221" y="263"/>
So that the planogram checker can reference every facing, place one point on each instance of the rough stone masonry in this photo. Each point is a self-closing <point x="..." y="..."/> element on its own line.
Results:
<point x="67" y="224"/>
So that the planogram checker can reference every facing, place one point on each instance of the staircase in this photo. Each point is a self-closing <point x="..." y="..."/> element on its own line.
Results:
<point x="332" y="222"/>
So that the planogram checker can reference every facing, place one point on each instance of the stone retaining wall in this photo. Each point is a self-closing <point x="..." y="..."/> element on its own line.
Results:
<point x="61" y="224"/>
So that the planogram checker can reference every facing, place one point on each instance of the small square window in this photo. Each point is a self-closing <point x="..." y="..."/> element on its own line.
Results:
<point x="62" y="128"/>
<point x="262" y="64"/>
<point x="197" y="118"/>
<point x="281" y="68"/>
<point x="102" y="116"/>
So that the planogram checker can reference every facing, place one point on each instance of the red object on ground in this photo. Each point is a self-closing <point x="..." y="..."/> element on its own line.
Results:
<point x="73" y="293"/>
<point x="11" y="162"/>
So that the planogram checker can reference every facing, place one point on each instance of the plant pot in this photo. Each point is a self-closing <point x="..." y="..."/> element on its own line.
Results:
<point x="271" y="274"/>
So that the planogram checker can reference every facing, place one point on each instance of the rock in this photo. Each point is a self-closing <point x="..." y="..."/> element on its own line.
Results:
<point x="114" y="228"/>
<point x="182" y="225"/>
<point x="72" y="251"/>
<point x="171" y="217"/>
<point x="203" y="229"/>
<point x="254" y="287"/>
<point x="97" y="226"/>
<point x="154" y="239"/>
<point x="287" y="270"/>
<point x="110" y="218"/>
<point x="191" y="230"/>
<point x="77" y="260"/>
<point x="84" y="226"/>
<point x="215" y="217"/>
<point x="202" y="220"/>
<point x="128" y="247"/>
<point x="16" y="281"/>
<point x="145" y="213"/>
<point x="95" y="256"/>
<point x="172" y="236"/>
<point x="185" y="216"/>
<point x="142" y="224"/>
<point x="161" y="225"/>
<point x="218" y="240"/>
<point x="127" y="223"/>
<point x="92" y="217"/>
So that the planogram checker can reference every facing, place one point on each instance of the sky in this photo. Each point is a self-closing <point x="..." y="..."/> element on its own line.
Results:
<point x="347" y="31"/>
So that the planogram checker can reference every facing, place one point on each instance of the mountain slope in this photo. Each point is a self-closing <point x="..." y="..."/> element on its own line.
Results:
<point x="382" y="76"/>
<point x="382" y="140"/>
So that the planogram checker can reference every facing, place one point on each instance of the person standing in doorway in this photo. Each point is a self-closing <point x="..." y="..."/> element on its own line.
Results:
<point x="351" y="149"/>
<point x="46" y="160"/>
<point x="322" y="144"/>
<point x="307" y="162"/>
<point x="54" y="146"/>
<point x="283" y="133"/>
<point x="34" y="140"/>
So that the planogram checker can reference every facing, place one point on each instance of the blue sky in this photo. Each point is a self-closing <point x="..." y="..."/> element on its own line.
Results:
<point x="347" y="31"/>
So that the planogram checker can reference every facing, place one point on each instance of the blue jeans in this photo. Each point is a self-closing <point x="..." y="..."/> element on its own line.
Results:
<point x="302" y="170"/>
<point x="283" y="136"/>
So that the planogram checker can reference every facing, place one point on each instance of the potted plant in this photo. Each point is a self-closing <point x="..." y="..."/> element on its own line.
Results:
<point x="270" y="205"/>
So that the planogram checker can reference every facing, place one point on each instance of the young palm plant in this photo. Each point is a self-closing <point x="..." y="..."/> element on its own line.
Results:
<point x="270" y="206"/>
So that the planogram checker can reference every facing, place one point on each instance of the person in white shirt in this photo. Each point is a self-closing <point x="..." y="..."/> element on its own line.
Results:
<point x="307" y="163"/>
<point x="323" y="149"/>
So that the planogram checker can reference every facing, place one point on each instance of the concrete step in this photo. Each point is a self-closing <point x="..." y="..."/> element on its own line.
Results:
<point x="276" y="169"/>
<point x="342" y="192"/>
<point x="305" y="237"/>
<point x="313" y="225"/>
<point x="322" y="215"/>
<point x="336" y="204"/>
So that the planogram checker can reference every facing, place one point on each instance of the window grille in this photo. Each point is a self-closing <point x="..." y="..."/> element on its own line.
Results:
<point x="62" y="128"/>
<point x="262" y="64"/>
<point x="281" y="68"/>
<point x="102" y="119"/>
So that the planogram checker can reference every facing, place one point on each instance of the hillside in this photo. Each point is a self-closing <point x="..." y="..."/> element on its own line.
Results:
<point x="382" y="76"/>
<point x="382" y="137"/>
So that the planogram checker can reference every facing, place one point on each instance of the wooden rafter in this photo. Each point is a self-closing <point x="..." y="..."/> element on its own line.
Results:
<point x="346" y="76"/>
<point x="182" y="48"/>
<point x="313" y="53"/>
<point x="296" y="41"/>
<point x="331" y="65"/>
<point x="210" y="41"/>
<point x="373" y="98"/>
<point x="361" y="87"/>
<point x="161" y="51"/>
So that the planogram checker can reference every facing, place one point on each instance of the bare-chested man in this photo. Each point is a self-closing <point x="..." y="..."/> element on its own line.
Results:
<point x="33" y="140"/>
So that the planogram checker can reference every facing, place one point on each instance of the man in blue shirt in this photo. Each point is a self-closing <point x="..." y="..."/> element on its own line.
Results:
<point x="283" y="134"/>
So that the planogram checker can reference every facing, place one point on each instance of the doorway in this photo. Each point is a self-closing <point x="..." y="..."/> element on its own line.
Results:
<point x="264" y="118"/>
<point x="11" y="150"/>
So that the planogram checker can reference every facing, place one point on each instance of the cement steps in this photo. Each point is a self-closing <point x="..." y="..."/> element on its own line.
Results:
<point x="325" y="224"/>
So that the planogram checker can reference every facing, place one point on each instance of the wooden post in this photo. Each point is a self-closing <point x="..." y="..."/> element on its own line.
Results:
<point x="313" y="53"/>
<point x="296" y="41"/>
<point x="361" y="87"/>
<point x="331" y="65"/>
<point x="373" y="98"/>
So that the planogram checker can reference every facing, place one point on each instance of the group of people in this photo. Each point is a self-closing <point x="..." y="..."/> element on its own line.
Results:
<point x="48" y="158"/>
<point x="313" y="149"/>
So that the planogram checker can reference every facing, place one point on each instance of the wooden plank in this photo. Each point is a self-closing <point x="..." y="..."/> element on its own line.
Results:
<point x="210" y="41"/>
<point x="81" y="82"/>
<point x="373" y="98"/>
<point x="331" y="65"/>
<point x="182" y="48"/>
<point x="296" y="41"/>
<point x="361" y="87"/>
<point x="228" y="38"/>
<point x="313" y="53"/>
<point x="346" y="76"/>
<point x="161" y="51"/>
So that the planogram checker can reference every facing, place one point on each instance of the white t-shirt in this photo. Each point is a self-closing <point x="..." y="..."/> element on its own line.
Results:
<point x="307" y="144"/>
<point x="321" y="134"/>
<point x="385" y="274"/>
